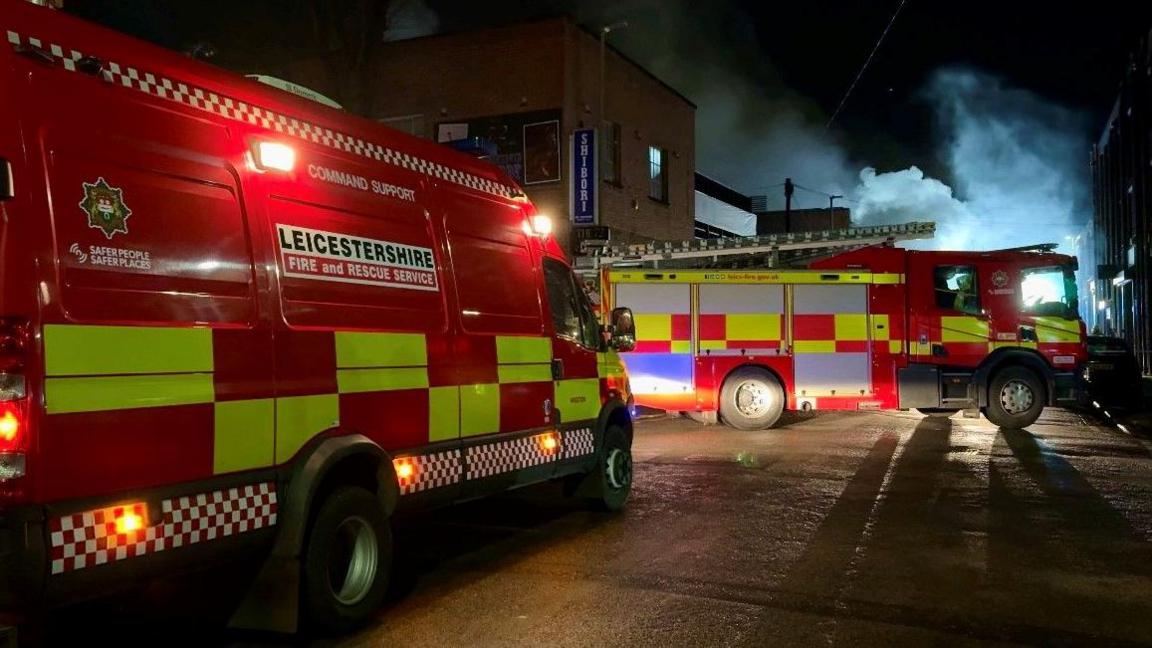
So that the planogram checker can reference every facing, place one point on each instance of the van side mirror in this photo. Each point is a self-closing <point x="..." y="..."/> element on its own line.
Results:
<point x="623" y="330"/>
<point x="7" y="190"/>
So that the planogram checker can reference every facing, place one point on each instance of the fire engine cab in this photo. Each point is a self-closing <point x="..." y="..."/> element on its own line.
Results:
<point x="874" y="328"/>
<point x="236" y="325"/>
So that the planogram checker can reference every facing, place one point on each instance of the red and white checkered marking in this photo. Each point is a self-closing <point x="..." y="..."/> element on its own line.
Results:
<point x="88" y="539"/>
<point x="429" y="471"/>
<point x="506" y="456"/>
<point x="579" y="443"/>
<point x="229" y="108"/>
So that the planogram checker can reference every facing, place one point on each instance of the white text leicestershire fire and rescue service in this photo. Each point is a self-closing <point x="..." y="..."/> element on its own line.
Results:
<point x="331" y="256"/>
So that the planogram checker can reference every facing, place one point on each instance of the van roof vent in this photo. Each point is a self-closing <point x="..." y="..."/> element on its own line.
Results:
<point x="296" y="89"/>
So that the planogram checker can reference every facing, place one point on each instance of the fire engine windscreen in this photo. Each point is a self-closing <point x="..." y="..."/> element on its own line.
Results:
<point x="1049" y="291"/>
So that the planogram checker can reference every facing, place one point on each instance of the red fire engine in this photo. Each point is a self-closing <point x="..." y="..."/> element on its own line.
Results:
<point x="236" y="324"/>
<point x="875" y="328"/>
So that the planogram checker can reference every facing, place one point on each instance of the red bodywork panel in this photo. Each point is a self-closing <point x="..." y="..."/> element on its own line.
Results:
<point x="175" y="137"/>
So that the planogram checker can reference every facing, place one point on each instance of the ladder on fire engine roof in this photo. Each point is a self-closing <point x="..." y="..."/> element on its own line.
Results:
<point x="599" y="254"/>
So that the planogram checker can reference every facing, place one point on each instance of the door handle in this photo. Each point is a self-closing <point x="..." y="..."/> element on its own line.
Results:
<point x="36" y="53"/>
<point x="939" y="351"/>
<point x="557" y="369"/>
<point x="1028" y="334"/>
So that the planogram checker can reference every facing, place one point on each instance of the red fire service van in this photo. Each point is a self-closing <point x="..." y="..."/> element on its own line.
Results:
<point x="237" y="324"/>
<point x="876" y="328"/>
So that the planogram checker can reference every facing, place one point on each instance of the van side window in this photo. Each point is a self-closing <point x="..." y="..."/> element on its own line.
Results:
<point x="592" y="338"/>
<point x="562" y="300"/>
<point x="572" y="316"/>
<point x="956" y="289"/>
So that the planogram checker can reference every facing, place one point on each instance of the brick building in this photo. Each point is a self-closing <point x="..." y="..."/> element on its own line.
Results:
<point x="802" y="220"/>
<point x="1121" y="237"/>
<point x="517" y="93"/>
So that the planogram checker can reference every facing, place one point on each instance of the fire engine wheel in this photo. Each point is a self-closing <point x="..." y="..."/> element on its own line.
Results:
<point x="751" y="399"/>
<point x="1015" y="398"/>
<point x="614" y="471"/>
<point x="346" y="563"/>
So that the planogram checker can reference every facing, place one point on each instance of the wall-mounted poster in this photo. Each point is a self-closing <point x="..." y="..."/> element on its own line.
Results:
<point x="506" y="134"/>
<point x="542" y="152"/>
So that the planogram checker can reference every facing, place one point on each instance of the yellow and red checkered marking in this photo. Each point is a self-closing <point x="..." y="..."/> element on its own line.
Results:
<point x="90" y="538"/>
<point x="843" y="333"/>
<point x="663" y="332"/>
<point x="741" y="331"/>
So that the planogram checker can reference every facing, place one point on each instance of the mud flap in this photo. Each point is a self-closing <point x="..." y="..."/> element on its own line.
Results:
<point x="272" y="603"/>
<point x="7" y="637"/>
<point x="703" y="418"/>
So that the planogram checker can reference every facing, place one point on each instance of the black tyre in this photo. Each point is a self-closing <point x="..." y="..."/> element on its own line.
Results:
<point x="346" y="562"/>
<point x="1015" y="398"/>
<point x="612" y="481"/>
<point x="937" y="412"/>
<point x="751" y="399"/>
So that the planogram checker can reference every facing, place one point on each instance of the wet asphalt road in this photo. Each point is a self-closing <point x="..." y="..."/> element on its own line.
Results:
<point x="839" y="529"/>
<point x="855" y="529"/>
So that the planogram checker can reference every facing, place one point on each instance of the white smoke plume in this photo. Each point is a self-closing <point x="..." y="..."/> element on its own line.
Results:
<point x="904" y="196"/>
<point x="1019" y="165"/>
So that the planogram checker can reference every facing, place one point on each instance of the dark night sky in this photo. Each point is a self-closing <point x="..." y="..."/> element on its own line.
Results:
<point x="1074" y="57"/>
<point x="807" y="52"/>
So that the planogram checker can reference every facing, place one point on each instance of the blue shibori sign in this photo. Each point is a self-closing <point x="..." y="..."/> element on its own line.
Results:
<point x="584" y="190"/>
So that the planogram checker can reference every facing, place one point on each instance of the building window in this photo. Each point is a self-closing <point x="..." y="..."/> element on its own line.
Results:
<point x="610" y="153"/>
<point x="410" y="124"/>
<point x="657" y="174"/>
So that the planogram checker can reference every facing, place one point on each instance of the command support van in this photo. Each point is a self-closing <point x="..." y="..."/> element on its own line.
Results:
<point x="237" y="323"/>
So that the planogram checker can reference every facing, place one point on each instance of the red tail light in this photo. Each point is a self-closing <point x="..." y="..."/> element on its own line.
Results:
<point x="13" y="445"/>
<point x="15" y="343"/>
<point x="12" y="434"/>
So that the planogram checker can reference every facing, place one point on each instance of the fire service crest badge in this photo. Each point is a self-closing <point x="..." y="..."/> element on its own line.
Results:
<point x="105" y="207"/>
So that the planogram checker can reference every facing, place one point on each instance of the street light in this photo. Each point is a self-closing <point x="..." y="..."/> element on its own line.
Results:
<point x="832" y="210"/>
<point x="604" y="31"/>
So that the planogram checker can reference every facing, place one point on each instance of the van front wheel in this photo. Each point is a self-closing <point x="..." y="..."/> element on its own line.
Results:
<point x="612" y="480"/>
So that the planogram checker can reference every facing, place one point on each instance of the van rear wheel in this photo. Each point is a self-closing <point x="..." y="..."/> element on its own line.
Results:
<point x="751" y="399"/>
<point x="1016" y="398"/>
<point x="346" y="562"/>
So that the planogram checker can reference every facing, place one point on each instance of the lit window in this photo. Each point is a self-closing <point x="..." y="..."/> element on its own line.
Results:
<point x="657" y="174"/>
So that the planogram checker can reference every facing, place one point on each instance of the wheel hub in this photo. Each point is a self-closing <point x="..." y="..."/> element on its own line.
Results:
<point x="618" y="468"/>
<point x="1016" y="397"/>
<point x="352" y="564"/>
<point x="752" y="399"/>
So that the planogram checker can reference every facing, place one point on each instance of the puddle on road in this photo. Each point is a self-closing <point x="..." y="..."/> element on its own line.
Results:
<point x="748" y="460"/>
